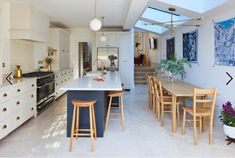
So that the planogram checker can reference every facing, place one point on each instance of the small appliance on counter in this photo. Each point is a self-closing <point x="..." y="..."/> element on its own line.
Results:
<point x="45" y="88"/>
<point x="18" y="72"/>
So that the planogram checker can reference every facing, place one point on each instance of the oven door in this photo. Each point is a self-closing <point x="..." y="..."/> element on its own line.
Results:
<point x="43" y="91"/>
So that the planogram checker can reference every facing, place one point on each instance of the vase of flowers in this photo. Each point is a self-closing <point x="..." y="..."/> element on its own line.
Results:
<point x="227" y="117"/>
<point x="48" y="62"/>
<point x="112" y="59"/>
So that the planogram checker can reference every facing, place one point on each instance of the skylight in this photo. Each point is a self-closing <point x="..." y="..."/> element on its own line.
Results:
<point x="161" y="16"/>
<point x="152" y="15"/>
<point x="151" y="28"/>
<point x="200" y="6"/>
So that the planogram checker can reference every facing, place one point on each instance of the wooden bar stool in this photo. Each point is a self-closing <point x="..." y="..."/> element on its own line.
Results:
<point x="92" y="131"/>
<point x="112" y="95"/>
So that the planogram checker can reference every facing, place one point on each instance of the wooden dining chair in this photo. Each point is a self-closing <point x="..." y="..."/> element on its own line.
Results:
<point x="203" y="107"/>
<point x="151" y="92"/>
<point x="149" y="89"/>
<point x="157" y="100"/>
<point x="166" y="103"/>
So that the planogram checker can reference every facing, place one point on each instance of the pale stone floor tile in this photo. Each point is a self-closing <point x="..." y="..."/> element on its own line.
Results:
<point x="143" y="136"/>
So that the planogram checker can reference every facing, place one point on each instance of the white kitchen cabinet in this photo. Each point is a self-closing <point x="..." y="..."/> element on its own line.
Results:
<point x="17" y="105"/>
<point x="27" y="22"/>
<point x="112" y="39"/>
<point x="61" y="78"/>
<point x="126" y="60"/>
<point x="59" y="40"/>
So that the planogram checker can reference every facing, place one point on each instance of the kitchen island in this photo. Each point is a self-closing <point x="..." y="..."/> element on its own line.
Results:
<point x="86" y="88"/>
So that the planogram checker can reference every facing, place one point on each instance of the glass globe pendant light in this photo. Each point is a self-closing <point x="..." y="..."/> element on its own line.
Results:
<point x="95" y="23"/>
<point x="103" y="38"/>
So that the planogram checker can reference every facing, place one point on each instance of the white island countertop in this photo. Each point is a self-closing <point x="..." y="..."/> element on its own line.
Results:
<point x="112" y="82"/>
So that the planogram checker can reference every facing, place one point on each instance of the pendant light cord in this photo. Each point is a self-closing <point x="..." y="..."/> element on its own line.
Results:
<point x="95" y="8"/>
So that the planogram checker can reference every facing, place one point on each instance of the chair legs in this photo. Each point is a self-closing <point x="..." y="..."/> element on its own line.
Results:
<point x="178" y="115"/>
<point x="210" y="130"/>
<point x="162" y="115"/>
<point x="184" y="121"/>
<point x="195" y="129"/>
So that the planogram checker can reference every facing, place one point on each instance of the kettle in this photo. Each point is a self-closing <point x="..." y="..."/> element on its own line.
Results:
<point x="18" y="72"/>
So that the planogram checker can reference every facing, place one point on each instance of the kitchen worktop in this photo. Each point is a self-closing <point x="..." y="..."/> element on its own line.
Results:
<point x="112" y="82"/>
<point x="15" y="82"/>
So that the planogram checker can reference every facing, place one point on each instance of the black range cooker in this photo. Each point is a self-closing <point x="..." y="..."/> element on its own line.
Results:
<point x="45" y="88"/>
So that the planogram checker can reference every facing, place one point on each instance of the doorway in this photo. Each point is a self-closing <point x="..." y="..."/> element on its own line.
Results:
<point x="84" y="57"/>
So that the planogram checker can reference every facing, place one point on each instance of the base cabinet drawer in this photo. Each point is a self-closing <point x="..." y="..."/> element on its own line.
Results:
<point x="6" y="126"/>
<point x="6" y="110"/>
<point x="5" y="95"/>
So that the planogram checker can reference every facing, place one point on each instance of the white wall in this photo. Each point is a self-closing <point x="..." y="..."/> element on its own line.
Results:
<point x="205" y="74"/>
<point x="154" y="54"/>
<point x="81" y="35"/>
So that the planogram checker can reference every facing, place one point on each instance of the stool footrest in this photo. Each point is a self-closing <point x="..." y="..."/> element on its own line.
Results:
<point x="115" y="119"/>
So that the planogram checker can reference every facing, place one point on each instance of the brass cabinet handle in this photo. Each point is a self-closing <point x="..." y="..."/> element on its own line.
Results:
<point x="17" y="103"/>
<point x="32" y="96"/>
<point x="4" y="126"/>
<point x="4" y="95"/>
<point x="18" y="90"/>
<point x="4" y="109"/>
<point x="32" y="109"/>
<point x="32" y="85"/>
<point x="18" y="118"/>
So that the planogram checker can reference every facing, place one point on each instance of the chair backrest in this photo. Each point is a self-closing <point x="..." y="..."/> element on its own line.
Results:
<point x="156" y="88"/>
<point x="159" y="87"/>
<point x="205" y="97"/>
<point x="151" y="84"/>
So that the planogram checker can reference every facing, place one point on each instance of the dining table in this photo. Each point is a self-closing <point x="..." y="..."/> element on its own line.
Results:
<point x="177" y="89"/>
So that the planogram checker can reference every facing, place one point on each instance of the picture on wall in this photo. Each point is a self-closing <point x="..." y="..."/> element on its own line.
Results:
<point x="225" y="42"/>
<point x="170" y="48"/>
<point x="190" y="46"/>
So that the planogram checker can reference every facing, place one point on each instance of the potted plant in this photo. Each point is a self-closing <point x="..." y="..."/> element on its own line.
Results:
<point x="227" y="117"/>
<point x="112" y="58"/>
<point x="174" y="66"/>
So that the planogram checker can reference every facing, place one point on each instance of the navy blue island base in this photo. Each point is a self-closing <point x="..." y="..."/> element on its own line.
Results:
<point x="100" y="110"/>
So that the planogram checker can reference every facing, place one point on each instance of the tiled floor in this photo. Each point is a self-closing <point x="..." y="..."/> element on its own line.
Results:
<point x="143" y="136"/>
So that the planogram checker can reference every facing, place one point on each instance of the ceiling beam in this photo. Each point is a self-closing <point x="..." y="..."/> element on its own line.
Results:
<point x="136" y="9"/>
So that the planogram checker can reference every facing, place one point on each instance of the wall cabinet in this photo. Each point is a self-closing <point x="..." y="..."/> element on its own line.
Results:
<point x="27" y="22"/>
<point x="17" y="105"/>
<point x="59" y="40"/>
<point x="124" y="41"/>
<point x="62" y="78"/>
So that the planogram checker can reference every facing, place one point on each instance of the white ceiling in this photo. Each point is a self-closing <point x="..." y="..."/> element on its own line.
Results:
<point x="124" y="13"/>
<point x="78" y="13"/>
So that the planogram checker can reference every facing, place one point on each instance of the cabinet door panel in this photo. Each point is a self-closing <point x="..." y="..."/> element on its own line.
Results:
<point x="126" y="60"/>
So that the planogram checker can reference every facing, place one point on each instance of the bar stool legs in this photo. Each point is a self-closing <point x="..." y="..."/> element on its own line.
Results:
<point x="122" y="112"/>
<point x="117" y="94"/>
<point x="107" y="117"/>
<point x="91" y="128"/>
<point x="72" y="130"/>
<point x="75" y="131"/>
